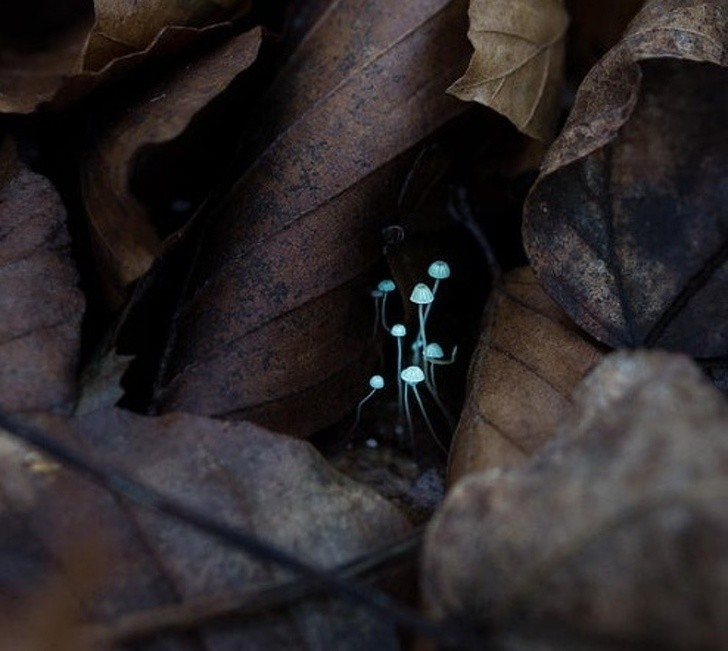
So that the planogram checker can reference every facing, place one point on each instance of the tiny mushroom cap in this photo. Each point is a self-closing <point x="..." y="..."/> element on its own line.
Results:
<point x="422" y="294"/>
<point x="387" y="285"/>
<point x="412" y="375"/>
<point x="438" y="270"/>
<point x="375" y="293"/>
<point x="398" y="330"/>
<point x="376" y="382"/>
<point x="434" y="351"/>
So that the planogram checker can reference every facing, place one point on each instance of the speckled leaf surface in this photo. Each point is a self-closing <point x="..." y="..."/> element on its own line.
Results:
<point x="275" y="325"/>
<point x="40" y="302"/>
<point x="626" y="226"/>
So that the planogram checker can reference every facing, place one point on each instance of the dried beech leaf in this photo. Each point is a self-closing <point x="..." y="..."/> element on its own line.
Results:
<point x="528" y="362"/>
<point x="616" y="531"/>
<point x="87" y="55"/>
<point x="123" y="28"/>
<point x="517" y="68"/>
<point x="124" y="239"/>
<point x="276" y="323"/>
<point x="276" y="487"/>
<point x="40" y="302"/>
<point x="626" y="226"/>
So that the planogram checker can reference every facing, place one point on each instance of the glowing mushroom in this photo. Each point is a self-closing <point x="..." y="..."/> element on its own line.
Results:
<point x="412" y="376"/>
<point x="386" y="287"/>
<point x="438" y="270"/>
<point x="376" y="382"/>
<point x="421" y="295"/>
<point x="400" y="332"/>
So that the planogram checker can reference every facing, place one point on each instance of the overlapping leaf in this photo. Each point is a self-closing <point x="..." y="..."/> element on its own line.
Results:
<point x="276" y="323"/>
<point x="529" y="360"/>
<point x="615" y="534"/>
<point x="40" y="302"/>
<point x="106" y="41"/>
<point x="275" y="487"/>
<point x="626" y="226"/>
<point x="517" y="68"/>
<point x="125" y="240"/>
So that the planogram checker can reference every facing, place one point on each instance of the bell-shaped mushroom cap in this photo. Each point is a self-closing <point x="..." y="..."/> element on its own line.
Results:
<point x="439" y="269"/>
<point x="376" y="382"/>
<point x="434" y="351"/>
<point x="421" y="294"/>
<point x="387" y="285"/>
<point x="398" y="330"/>
<point x="412" y="375"/>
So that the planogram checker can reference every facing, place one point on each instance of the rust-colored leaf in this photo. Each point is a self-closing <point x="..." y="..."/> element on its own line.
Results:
<point x="276" y="322"/>
<point x="125" y="240"/>
<point x="277" y="488"/>
<point x="626" y="226"/>
<point x="529" y="360"/>
<point x="518" y="65"/>
<point x="40" y="302"/>
<point x="616" y="531"/>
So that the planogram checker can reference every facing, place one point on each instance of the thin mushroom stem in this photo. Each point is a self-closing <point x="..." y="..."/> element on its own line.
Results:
<point x="427" y="419"/>
<point x="410" y="428"/>
<point x="376" y="382"/>
<point x="399" y="379"/>
<point x="376" y="295"/>
<point x="421" y="336"/>
<point x="434" y="293"/>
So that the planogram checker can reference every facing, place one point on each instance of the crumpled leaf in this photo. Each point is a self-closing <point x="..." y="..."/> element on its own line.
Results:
<point x="616" y="531"/>
<point x="40" y="302"/>
<point x="276" y="487"/>
<point x="125" y="240"/>
<point x="626" y="226"/>
<point x="517" y="67"/>
<point x="528" y="362"/>
<point x="275" y="325"/>
<point x="106" y="43"/>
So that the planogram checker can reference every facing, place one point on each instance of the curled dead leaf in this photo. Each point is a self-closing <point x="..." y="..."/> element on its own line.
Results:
<point x="40" y="302"/>
<point x="124" y="238"/>
<point x="528" y="362"/>
<point x="517" y="67"/>
<point x="275" y="324"/>
<point x="615" y="532"/>
<point x="626" y="226"/>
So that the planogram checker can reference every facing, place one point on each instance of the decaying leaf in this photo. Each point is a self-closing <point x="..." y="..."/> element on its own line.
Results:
<point x="518" y="65"/>
<point x="275" y="487"/>
<point x="529" y="360"/>
<point x="123" y="28"/>
<point x="626" y="226"/>
<point x="616" y="531"/>
<point x="275" y="325"/>
<point x="125" y="240"/>
<point x="40" y="302"/>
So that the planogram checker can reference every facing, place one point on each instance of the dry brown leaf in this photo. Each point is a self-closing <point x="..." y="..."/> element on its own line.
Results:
<point x="40" y="302"/>
<point x="275" y="487"/>
<point x="528" y="362"/>
<point x="87" y="54"/>
<point x="123" y="28"/>
<point x="125" y="240"/>
<point x="517" y="68"/>
<point x="276" y="323"/>
<point x="616" y="531"/>
<point x="626" y="226"/>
